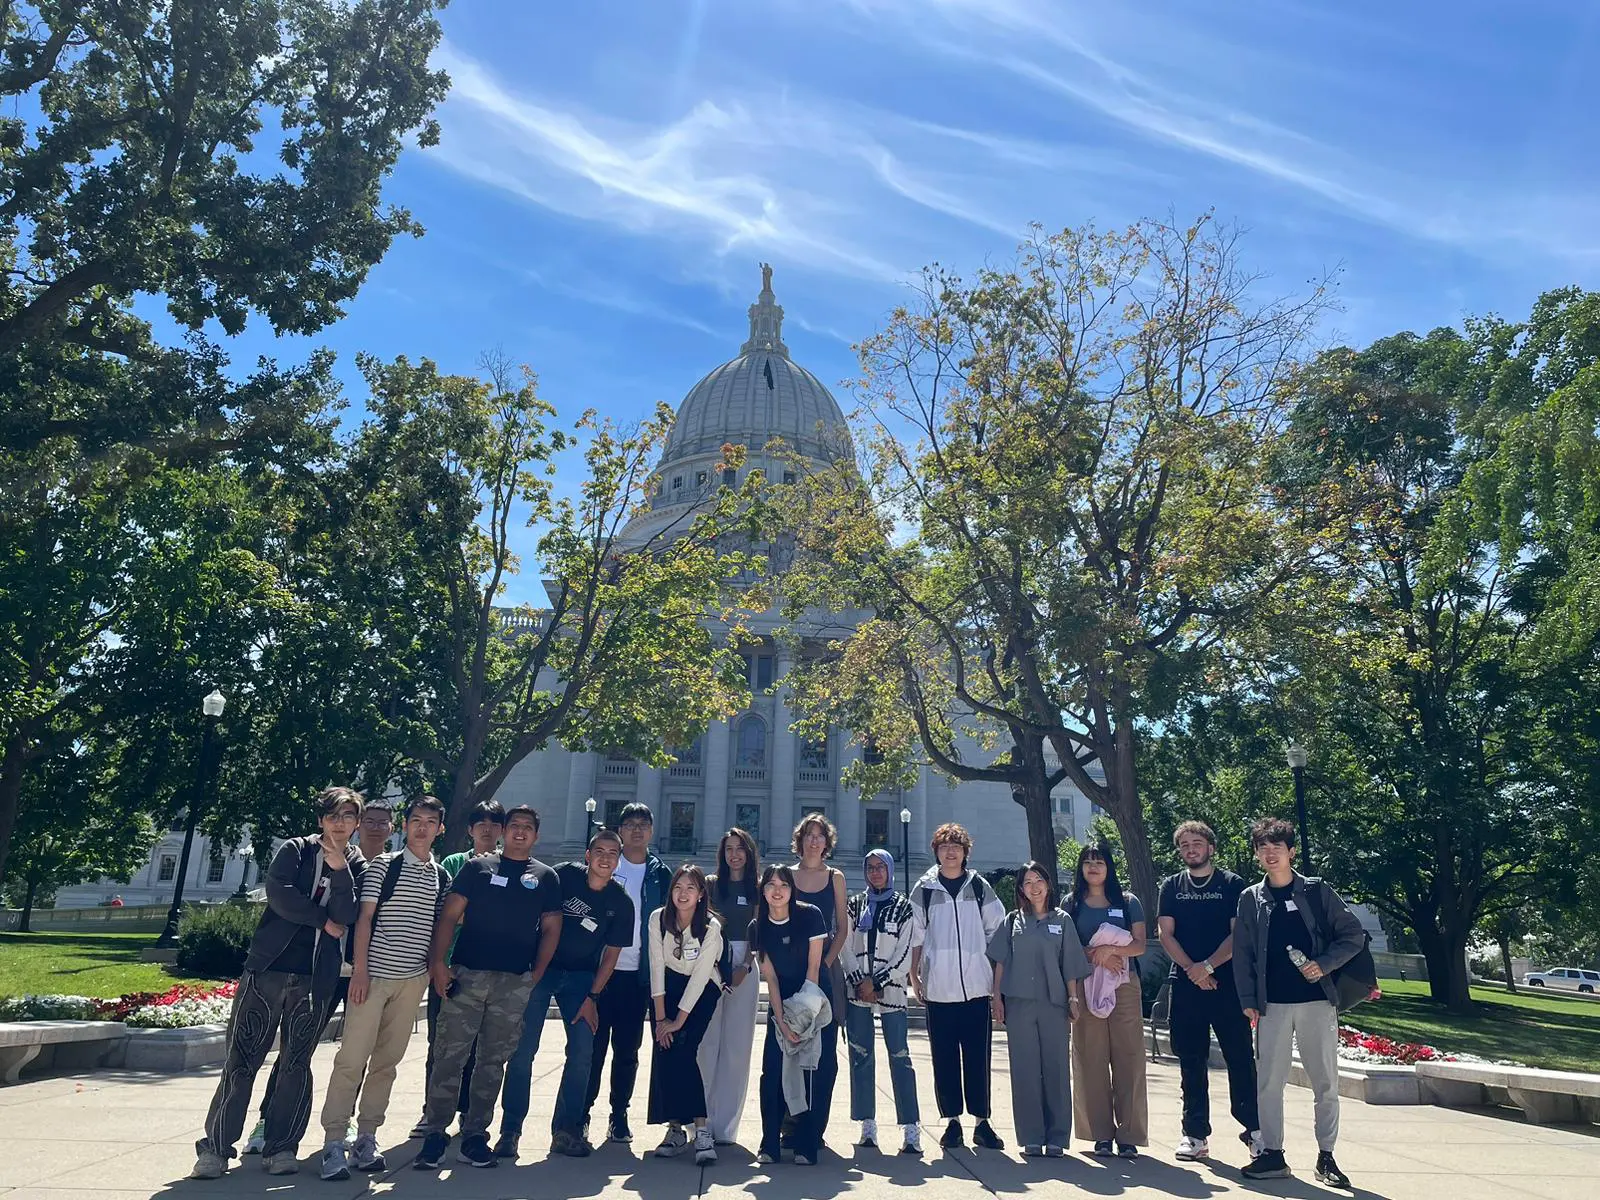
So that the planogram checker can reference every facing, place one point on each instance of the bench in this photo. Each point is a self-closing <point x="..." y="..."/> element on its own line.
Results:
<point x="1545" y="1097"/>
<point x="70" y="1044"/>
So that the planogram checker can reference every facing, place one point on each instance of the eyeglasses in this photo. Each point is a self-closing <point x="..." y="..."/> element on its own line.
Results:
<point x="636" y="826"/>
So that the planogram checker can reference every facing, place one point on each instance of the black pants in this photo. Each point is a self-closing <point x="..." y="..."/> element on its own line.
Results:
<point x="265" y="1002"/>
<point x="959" y="1036"/>
<point x="810" y="1125"/>
<point x="435" y="1001"/>
<point x="1194" y="1015"/>
<point x="677" y="1090"/>
<point x="624" y="1007"/>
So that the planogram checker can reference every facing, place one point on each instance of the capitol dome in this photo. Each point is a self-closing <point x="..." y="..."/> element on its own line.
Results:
<point x="758" y="396"/>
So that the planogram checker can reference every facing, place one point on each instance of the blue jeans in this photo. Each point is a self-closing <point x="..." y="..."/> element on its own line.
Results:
<point x="569" y="989"/>
<point x="863" y="1064"/>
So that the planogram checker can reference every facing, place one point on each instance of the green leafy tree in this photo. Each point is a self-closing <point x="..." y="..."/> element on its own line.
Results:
<point x="1061" y="512"/>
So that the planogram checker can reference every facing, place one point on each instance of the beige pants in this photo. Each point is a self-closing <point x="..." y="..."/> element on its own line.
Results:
<point x="376" y="1032"/>
<point x="1108" y="1068"/>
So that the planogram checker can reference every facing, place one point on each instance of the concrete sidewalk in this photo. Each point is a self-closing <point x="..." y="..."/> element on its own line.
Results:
<point x="123" y="1136"/>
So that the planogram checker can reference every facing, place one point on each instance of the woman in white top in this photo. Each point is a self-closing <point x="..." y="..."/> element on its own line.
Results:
<point x="685" y="944"/>
<point x="725" y="1052"/>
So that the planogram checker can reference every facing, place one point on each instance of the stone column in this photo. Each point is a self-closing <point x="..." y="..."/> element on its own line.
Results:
<point x="780" y="812"/>
<point x="580" y="786"/>
<point x="847" y="812"/>
<point x="647" y="790"/>
<point x="712" y="813"/>
<point x="917" y="802"/>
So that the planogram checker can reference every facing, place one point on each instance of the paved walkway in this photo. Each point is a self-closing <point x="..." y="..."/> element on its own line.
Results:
<point x="119" y="1136"/>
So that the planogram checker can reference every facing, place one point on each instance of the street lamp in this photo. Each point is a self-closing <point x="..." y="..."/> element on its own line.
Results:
<point x="589" y="807"/>
<point x="905" y="848"/>
<point x="212" y="707"/>
<point x="245" y="854"/>
<point x="1295" y="755"/>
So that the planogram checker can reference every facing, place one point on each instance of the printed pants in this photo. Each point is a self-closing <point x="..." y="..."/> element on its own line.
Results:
<point x="487" y="1009"/>
<point x="264" y="1002"/>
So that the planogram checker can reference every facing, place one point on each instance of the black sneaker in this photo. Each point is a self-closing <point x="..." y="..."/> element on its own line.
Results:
<point x="1103" y="1150"/>
<point x="475" y="1152"/>
<point x="986" y="1138"/>
<point x="505" y="1145"/>
<point x="1127" y="1150"/>
<point x="618" y="1130"/>
<point x="1269" y="1164"/>
<point x="1328" y="1171"/>
<point x="952" y="1137"/>
<point x="432" y="1152"/>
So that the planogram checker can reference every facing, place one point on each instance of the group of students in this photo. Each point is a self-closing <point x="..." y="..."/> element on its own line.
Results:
<point x="617" y="941"/>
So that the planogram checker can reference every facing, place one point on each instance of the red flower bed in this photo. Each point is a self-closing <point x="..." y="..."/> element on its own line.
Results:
<point x="1389" y="1049"/>
<point x="120" y="1008"/>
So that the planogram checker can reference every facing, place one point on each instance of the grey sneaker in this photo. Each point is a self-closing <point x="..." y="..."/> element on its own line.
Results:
<point x="334" y="1163"/>
<point x="209" y="1166"/>
<point x="365" y="1155"/>
<point x="257" y="1138"/>
<point x="284" y="1162"/>
<point x="674" y="1144"/>
<point x="705" y="1149"/>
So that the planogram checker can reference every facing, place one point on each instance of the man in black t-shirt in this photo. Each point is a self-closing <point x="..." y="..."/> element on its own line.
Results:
<point x="596" y="924"/>
<point x="508" y="907"/>
<point x="1196" y="917"/>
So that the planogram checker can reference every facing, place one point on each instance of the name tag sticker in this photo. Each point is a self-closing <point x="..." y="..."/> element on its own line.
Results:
<point x="1289" y="904"/>
<point x="1055" y="929"/>
<point x="743" y="901"/>
<point x="1115" y="912"/>
<point x="497" y="880"/>
<point x="590" y="924"/>
<point x="691" y="953"/>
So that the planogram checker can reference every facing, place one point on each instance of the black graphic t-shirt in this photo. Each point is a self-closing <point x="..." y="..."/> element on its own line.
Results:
<point x="1202" y="914"/>
<point x="1287" y="927"/>
<point x="590" y="920"/>
<point x="506" y="898"/>
<point x="787" y="945"/>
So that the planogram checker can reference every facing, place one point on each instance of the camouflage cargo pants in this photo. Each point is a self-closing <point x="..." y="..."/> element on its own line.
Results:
<point x="488" y="1008"/>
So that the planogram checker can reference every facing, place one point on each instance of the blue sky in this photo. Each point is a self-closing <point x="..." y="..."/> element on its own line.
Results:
<point x="611" y="172"/>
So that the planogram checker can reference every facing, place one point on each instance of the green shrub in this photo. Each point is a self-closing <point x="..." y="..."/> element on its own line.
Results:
<point x="213" y="941"/>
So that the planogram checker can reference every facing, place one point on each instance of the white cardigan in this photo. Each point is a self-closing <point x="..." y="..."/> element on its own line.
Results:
<point x="698" y="959"/>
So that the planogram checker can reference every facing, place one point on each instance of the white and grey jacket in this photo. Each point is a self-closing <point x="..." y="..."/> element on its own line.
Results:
<point x="955" y="933"/>
<point x="894" y="936"/>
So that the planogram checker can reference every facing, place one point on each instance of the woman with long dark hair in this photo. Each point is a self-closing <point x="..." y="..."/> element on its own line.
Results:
<point x="1038" y="966"/>
<point x="1108" y="1061"/>
<point x="789" y="938"/>
<point x="725" y="1050"/>
<point x="685" y="945"/>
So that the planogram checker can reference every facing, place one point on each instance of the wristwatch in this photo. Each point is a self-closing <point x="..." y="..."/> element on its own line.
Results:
<point x="595" y="996"/>
<point x="1206" y="963"/>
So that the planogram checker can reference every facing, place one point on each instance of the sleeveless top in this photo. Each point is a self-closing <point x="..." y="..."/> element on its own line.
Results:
<point x="823" y="900"/>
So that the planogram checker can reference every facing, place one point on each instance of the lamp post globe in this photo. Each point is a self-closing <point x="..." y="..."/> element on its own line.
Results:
<point x="589" y="806"/>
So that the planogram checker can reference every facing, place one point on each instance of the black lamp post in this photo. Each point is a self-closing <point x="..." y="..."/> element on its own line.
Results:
<point x="589" y="807"/>
<point x="212" y="707"/>
<point x="905" y="848"/>
<point x="1295" y="755"/>
<point x="241" y="894"/>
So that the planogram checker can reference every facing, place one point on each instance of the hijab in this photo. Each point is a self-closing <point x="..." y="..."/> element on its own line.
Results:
<point x="875" y="897"/>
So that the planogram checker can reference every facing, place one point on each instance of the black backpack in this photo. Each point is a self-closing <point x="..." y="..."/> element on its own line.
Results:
<point x="1354" y="982"/>
<point x="979" y="888"/>
<point x="391" y="880"/>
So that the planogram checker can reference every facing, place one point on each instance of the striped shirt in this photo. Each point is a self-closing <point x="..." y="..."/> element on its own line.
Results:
<point x="403" y="926"/>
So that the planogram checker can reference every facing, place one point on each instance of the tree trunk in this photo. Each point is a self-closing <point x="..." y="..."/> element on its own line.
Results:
<point x="1505" y="961"/>
<point x="1447" y="968"/>
<point x="12" y="768"/>
<point x="26" y="924"/>
<point x="1035" y="800"/>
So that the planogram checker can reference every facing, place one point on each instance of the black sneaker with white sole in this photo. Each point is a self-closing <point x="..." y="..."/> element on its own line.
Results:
<point x="475" y="1152"/>
<point x="432" y="1152"/>
<point x="1328" y="1171"/>
<point x="1269" y="1164"/>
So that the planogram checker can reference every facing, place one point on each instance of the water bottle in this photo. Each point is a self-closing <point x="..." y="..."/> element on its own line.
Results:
<point x="1297" y="956"/>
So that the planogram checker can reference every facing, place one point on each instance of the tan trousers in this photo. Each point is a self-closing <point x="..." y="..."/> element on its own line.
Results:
<point x="1108" y="1067"/>
<point x="376" y="1032"/>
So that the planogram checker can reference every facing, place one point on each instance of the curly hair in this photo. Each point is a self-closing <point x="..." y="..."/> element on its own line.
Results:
<point x="829" y="833"/>
<point x="951" y="833"/>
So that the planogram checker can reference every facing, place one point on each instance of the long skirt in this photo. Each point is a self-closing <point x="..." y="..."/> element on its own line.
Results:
<point x="677" y="1091"/>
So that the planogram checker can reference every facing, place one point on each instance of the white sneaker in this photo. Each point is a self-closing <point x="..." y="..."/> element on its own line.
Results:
<point x="350" y="1133"/>
<point x="209" y="1166"/>
<point x="1257" y="1146"/>
<point x="1192" y="1149"/>
<point x="913" y="1139"/>
<point x="257" y="1139"/>
<point x="334" y="1164"/>
<point x="705" y="1149"/>
<point x="674" y="1144"/>
<point x="869" y="1133"/>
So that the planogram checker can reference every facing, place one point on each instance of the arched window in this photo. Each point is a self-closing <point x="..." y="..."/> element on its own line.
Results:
<point x="752" y="742"/>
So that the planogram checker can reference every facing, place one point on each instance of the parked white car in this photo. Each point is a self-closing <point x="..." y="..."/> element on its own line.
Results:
<point x="1570" y="978"/>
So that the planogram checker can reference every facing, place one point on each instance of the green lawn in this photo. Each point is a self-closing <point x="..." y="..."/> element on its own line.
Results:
<point x="1535" y="1028"/>
<point x="82" y="964"/>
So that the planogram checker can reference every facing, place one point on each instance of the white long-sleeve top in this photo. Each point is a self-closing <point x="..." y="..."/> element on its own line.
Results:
<point x="695" y="958"/>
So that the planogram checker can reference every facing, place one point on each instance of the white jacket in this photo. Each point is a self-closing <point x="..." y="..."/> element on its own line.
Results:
<point x="955" y="936"/>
